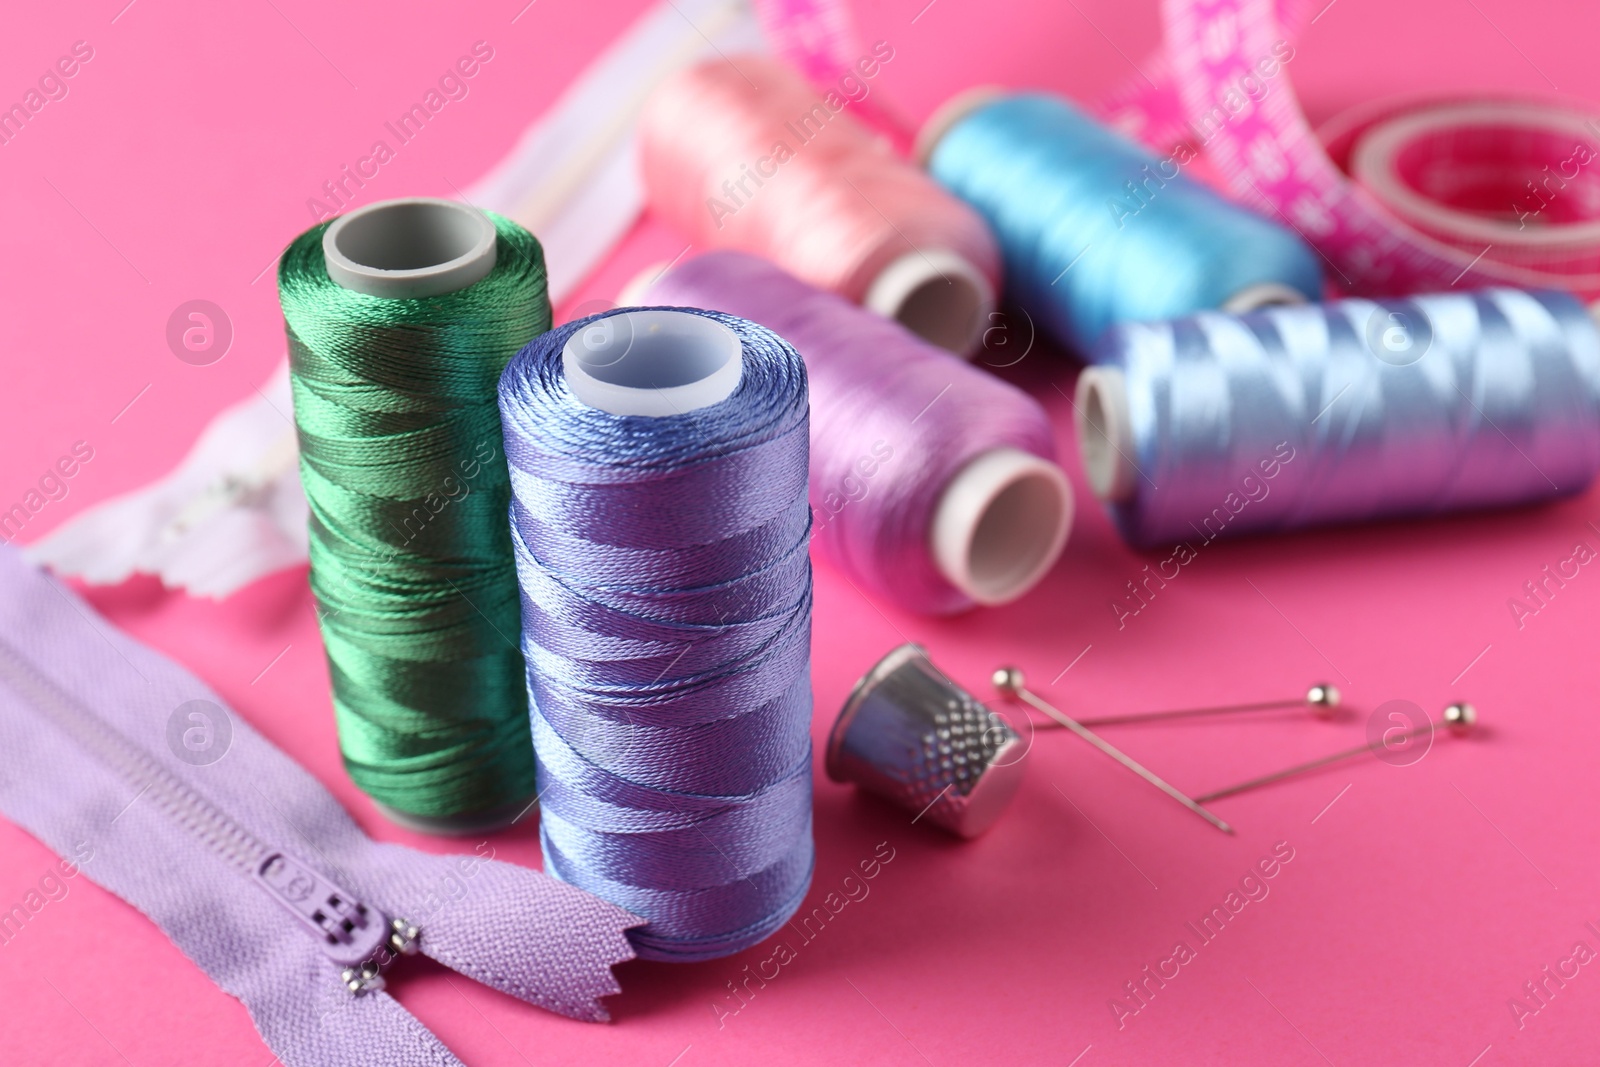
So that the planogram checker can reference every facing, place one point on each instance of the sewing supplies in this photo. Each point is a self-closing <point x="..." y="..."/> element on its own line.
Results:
<point x="1512" y="176"/>
<point x="1221" y="82"/>
<point x="658" y="464"/>
<point x="400" y="318"/>
<point x="1012" y="684"/>
<point x="231" y="511"/>
<point x="911" y="735"/>
<point x="146" y="783"/>
<point x="744" y="154"/>
<point x="572" y="178"/>
<point x="933" y="484"/>
<point x="1321" y="699"/>
<point x="1294" y="416"/>
<point x="1095" y="230"/>
<point x="1458" y="718"/>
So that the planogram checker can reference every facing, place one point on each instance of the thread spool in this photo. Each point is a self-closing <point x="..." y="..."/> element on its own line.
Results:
<point x="1094" y="230"/>
<point x="659" y="468"/>
<point x="1294" y="416"/>
<point x="745" y="155"/>
<point x="400" y="317"/>
<point x="960" y="499"/>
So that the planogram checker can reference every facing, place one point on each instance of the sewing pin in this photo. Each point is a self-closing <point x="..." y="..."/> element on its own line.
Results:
<point x="1322" y="698"/>
<point x="1011" y="682"/>
<point x="1459" y="718"/>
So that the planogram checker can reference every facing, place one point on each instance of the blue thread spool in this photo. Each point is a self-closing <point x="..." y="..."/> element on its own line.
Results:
<point x="1288" y="417"/>
<point x="658" y="466"/>
<point x="1095" y="230"/>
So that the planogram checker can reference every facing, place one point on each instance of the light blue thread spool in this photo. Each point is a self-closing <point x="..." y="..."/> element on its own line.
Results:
<point x="1095" y="230"/>
<point x="1218" y="424"/>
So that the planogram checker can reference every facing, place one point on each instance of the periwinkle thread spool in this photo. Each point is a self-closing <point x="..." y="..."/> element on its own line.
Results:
<point x="1095" y="230"/>
<point x="744" y="154"/>
<point x="1293" y="416"/>
<point x="933" y="484"/>
<point x="659" y="515"/>
<point x="400" y="318"/>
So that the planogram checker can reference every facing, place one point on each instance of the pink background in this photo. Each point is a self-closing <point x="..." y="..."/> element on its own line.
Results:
<point x="1415" y="906"/>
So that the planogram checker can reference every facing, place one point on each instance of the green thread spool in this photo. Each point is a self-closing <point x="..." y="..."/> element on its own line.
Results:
<point x="400" y="318"/>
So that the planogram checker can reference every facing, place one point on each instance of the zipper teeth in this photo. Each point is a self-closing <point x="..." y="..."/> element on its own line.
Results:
<point x="183" y="804"/>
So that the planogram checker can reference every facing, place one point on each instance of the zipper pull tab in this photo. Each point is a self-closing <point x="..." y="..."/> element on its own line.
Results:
<point x="351" y="933"/>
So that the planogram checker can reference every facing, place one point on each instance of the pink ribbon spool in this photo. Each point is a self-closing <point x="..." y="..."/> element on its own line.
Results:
<point x="1385" y="226"/>
<point x="1520" y="177"/>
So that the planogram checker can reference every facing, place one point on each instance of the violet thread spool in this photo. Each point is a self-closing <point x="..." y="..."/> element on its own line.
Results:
<point x="933" y="484"/>
<point x="658" y="464"/>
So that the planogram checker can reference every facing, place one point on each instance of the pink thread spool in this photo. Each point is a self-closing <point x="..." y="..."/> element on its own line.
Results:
<point x="933" y="484"/>
<point x="745" y="154"/>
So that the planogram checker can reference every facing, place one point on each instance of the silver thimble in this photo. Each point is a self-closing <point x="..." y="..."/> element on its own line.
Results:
<point x="912" y="735"/>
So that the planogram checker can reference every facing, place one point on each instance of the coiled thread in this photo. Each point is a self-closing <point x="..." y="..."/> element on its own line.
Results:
<point x="401" y="458"/>
<point x="893" y="421"/>
<point x="1095" y="230"/>
<point x="1354" y="410"/>
<point x="746" y="155"/>
<point x="666" y="625"/>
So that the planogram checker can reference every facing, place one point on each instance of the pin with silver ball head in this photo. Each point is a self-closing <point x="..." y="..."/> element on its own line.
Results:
<point x="1012" y="683"/>
<point x="1459" y="718"/>
<point x="1322" y="700"/>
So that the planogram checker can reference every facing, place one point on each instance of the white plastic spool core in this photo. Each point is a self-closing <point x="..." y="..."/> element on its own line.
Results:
<point x="938" y="296"/>
<point x="406" y="249"/>
<point x="909" y="291"/>
<point x="1105" y="433"/>
<point x="654" y="363"/>
<point x="1262" y="295"/>
<point x="1000" y="523"/>
<point x="947" y="114"/>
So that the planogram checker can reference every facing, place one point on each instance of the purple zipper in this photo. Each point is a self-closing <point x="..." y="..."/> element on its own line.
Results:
<point x="250" y="865"/>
